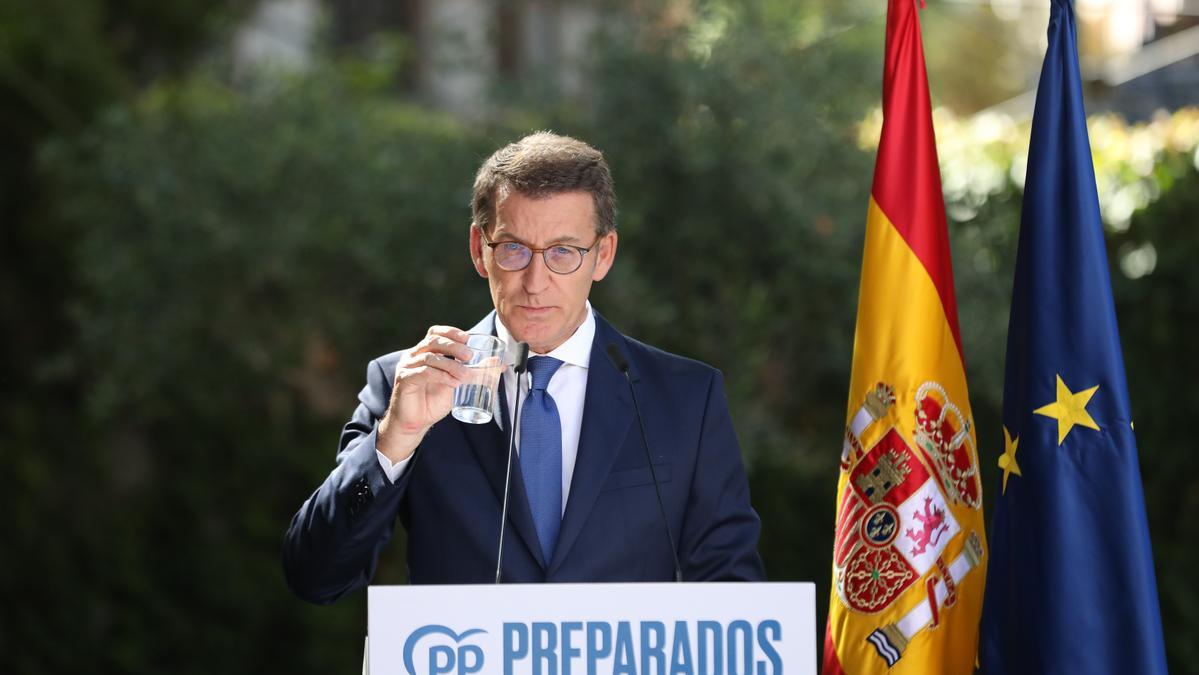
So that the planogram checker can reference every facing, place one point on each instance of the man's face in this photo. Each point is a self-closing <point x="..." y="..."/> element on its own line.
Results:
<point x="537" y="305"/>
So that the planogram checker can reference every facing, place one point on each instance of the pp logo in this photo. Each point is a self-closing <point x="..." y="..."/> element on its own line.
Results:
<point x="444" y="652"/>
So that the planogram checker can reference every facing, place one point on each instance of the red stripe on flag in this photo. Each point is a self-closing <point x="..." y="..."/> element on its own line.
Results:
<point x="831" y="665"/>
<point x="907" y="180"/>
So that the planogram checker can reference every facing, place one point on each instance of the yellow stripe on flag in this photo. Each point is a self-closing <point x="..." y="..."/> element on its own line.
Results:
<point x="901" y="333"/>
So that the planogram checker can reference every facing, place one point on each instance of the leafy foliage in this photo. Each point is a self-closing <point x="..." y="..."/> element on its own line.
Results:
<point x="242" y="257"/>
<point x="237" y="254"/>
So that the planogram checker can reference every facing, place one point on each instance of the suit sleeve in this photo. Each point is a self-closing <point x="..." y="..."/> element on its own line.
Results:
<point x="719" y="540"/>
<point x="333" y="543"/>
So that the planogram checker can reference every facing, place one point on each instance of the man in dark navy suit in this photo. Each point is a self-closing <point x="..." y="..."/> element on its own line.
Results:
<point x="583" y="505"/>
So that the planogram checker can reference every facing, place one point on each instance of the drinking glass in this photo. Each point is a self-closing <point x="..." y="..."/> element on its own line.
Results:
<point x="473" y="400"/>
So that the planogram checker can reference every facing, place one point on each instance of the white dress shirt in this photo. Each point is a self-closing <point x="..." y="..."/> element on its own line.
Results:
<point x="568" y="387"/>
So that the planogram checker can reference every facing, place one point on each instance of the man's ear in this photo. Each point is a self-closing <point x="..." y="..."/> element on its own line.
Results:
<point x="476" y="250"/>
<point x="605" y="256"/>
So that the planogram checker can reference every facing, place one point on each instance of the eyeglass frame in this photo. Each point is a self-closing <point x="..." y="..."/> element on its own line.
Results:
<point x="583" y="251"/>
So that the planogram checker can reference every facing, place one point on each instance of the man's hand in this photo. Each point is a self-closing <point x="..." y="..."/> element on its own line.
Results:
<point x="423" y="390"/>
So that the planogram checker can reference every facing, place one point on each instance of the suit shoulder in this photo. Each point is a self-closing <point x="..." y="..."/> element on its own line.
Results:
<point x="381" y="370"/>
<point x="388" y="361"/>
<point x="652" y="361"/>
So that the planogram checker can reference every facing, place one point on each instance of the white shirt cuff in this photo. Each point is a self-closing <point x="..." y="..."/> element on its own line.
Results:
<point x="393" y="470"/>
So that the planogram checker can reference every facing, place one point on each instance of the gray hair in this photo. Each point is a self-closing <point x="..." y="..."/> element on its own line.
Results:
<point x="542" y="164"/>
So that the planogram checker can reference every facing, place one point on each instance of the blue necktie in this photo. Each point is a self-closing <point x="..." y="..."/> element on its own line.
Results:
<point x="541" y="454"/>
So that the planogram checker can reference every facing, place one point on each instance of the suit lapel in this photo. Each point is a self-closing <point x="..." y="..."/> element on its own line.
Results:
<point x="607" y="415"/>
<point x="490" y="446"/>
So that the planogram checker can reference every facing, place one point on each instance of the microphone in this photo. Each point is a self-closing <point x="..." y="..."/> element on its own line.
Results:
<point x="521" y="365"/>
<point x="618" y="360"/>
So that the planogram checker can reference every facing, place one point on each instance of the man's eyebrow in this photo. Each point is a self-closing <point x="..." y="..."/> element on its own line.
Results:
<point x="568" y="239"/>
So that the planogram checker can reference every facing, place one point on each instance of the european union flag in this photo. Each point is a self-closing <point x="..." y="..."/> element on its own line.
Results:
<point x="1070" y="588"/>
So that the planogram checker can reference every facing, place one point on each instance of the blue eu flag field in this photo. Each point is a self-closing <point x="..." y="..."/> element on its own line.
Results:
<point x="1070" y="588"/>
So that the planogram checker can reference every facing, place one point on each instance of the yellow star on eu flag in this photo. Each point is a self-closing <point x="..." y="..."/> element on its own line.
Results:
<point x="1069" y="409"/>
<point x="1007" y="461"/>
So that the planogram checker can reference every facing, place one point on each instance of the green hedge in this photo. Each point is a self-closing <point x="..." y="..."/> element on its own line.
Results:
<point x="240" y="253"/>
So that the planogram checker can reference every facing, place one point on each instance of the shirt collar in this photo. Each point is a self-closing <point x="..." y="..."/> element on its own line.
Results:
<point x="576" y="351"/>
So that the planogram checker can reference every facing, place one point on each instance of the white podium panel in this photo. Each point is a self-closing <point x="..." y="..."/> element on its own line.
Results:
<point x="593" y="629"/>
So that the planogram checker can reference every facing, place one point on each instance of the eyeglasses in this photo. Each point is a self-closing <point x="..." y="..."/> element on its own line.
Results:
<point x="514" y="256"/>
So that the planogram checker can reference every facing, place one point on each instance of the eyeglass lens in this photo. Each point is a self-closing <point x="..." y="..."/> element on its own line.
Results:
<point x="561" y="259"/>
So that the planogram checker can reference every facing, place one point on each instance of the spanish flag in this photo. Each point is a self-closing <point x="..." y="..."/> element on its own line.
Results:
<point x="909" y="558"/>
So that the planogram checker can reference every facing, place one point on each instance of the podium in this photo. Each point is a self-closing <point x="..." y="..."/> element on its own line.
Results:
<point x="592" y="629"/>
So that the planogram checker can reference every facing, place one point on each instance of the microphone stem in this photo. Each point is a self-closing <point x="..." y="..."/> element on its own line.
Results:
<point x="678" y="570"/>
<point x="519" y="371"/>
<point x="507" y="480"/>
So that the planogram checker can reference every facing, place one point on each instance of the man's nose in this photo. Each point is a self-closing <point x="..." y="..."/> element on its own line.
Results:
<point x="536" y="276"/>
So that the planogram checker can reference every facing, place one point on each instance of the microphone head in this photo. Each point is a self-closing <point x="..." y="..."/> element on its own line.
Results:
<point x="617" y="358"/>
<point x="522" y="358"/>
